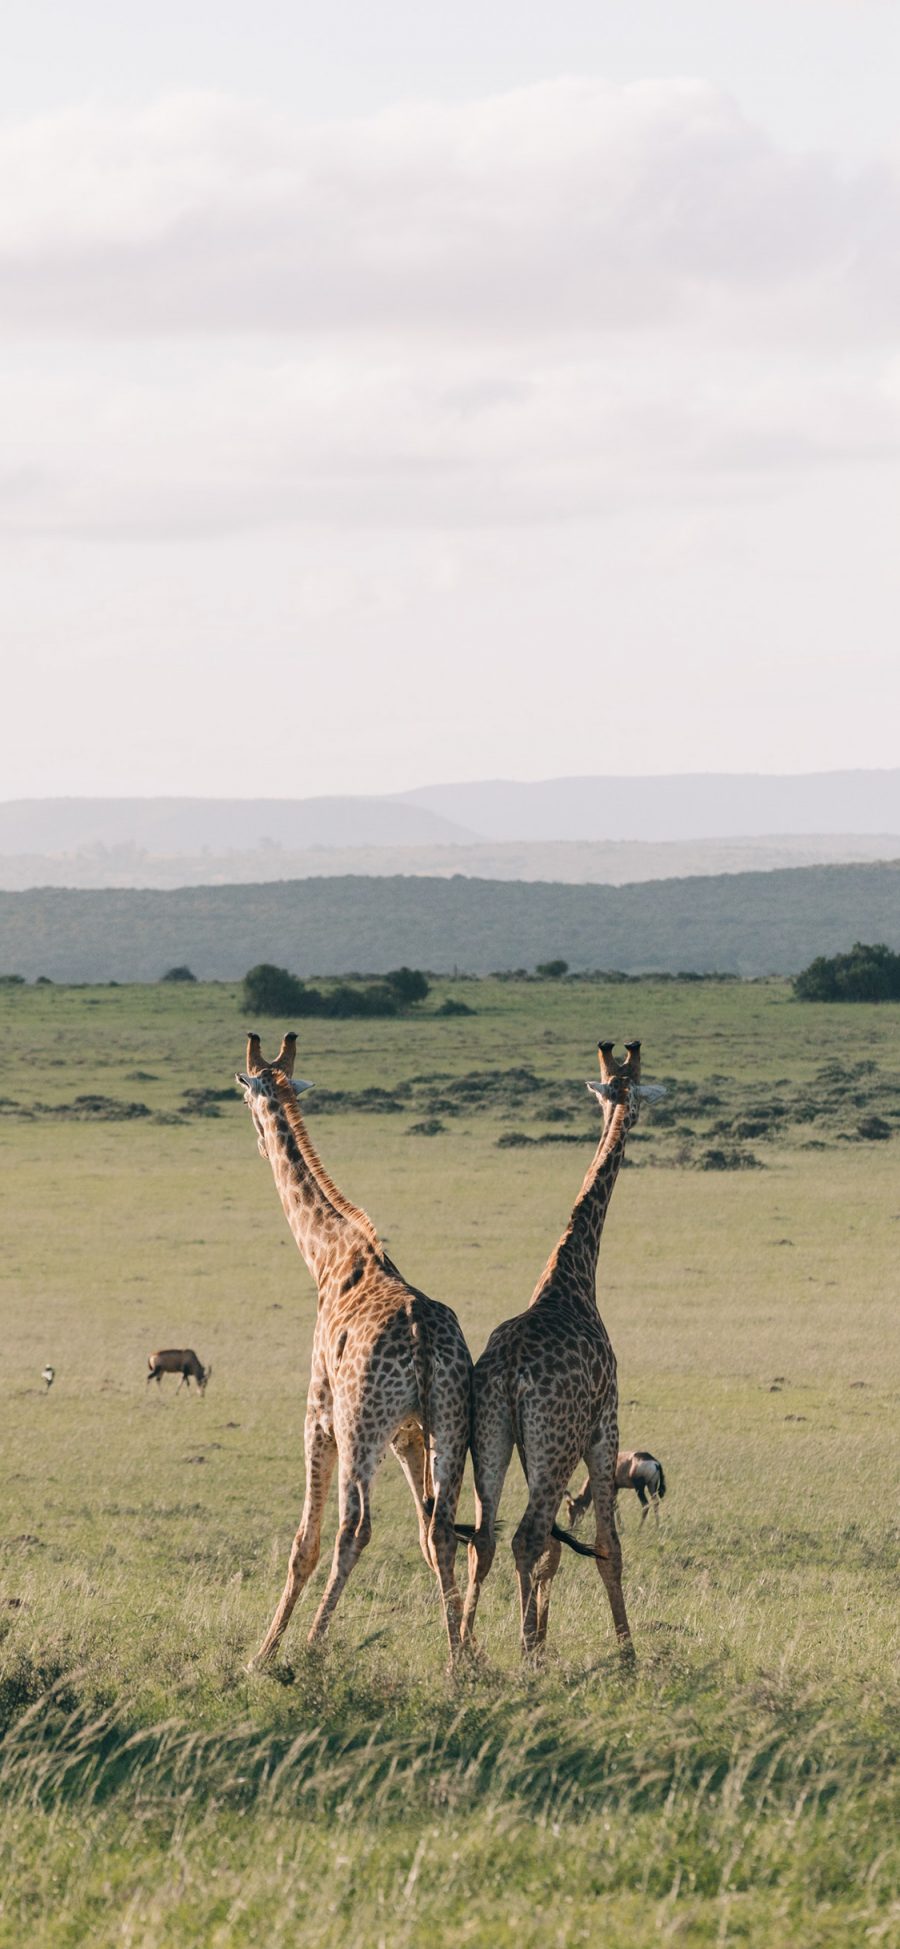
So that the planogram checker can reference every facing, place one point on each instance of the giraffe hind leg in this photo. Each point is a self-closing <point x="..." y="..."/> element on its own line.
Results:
<point x="492" y="1447"/>
<point x="601" y="1462"/>
<point x="537" y="1557"/>
<point x="543" y="1581"/>
<point x="409" y="1448"/>
<point x="450" y="1446"/>
<point x="354" y="1532"/>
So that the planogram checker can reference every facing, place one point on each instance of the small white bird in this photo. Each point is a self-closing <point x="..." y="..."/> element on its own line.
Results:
<point x="47" y="1374"/>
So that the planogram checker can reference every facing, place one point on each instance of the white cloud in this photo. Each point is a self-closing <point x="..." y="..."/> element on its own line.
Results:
<point x="570" y="206"/>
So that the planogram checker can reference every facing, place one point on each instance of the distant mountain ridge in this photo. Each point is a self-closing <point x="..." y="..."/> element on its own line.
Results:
<point x="610" y="810"/>
<point x="689" y="806"/>
<point x="168" y="826"/>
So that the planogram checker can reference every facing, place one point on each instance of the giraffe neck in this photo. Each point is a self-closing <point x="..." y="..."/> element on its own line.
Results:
<point x="326" y="1227"/>
<point x="573" y="1265"/>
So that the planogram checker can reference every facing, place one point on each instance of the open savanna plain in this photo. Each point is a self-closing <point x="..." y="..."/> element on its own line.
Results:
<point x="737" y="1788"/>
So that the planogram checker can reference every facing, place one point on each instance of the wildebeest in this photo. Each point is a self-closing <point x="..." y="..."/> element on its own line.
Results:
<point x="178" y="1360"/>
<point x="636" y="1469"/>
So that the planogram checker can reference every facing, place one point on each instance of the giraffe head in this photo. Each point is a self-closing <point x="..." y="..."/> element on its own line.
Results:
<point x="259" y="1081"/>
<point x="620" y="1081"/>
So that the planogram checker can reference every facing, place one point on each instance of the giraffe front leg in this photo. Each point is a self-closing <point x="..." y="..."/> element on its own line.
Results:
<point x="321" y="1454"/>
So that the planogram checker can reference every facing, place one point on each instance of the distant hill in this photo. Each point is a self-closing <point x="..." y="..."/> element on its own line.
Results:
<point x="592" y="830"/>
<point x="171" y="826"/>
<point x="714" y="805"/>
<point x="617" y="862"/>
<point x="745" y="923"/>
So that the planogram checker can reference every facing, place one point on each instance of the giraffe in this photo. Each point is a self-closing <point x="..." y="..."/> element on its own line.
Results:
<point x="389" y="1366"/>
<point x="546" y="1385"/>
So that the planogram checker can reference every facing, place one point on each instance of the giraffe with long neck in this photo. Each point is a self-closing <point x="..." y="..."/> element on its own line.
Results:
<point x="390" y="1367"/>
<point x="546" y="1386"/>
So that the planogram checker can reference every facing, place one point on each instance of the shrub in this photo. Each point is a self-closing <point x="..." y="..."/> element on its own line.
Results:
<point x="377" y="999"/>
<point x="866" y="974"/>
<point x="178" y="974"/>
<point x="268" y="990"/>
<point x="552" y="970"/>
<point x="450" y="1007"/>
<point x="728" y="1160"/>
<point x="408" y="984"/>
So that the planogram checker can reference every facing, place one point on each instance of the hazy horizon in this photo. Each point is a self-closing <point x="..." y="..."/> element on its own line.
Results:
<point x="498" y="778"/>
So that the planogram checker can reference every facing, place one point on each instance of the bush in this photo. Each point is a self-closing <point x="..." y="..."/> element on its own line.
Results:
<point x="268" y="990"/>
<point x="552" y="970"/>
<point x="408" y="984"/>
<point x="450" y="1007"/>
<point x="178" y="974"/>
<point x="377" y="999"/>
<point x="866" y="974"/>
<point x="728" y="1160"/>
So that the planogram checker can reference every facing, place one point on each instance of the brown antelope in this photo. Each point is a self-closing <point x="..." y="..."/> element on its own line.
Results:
<point x="178" y="1360"/>
<point x="636" y="1469"/>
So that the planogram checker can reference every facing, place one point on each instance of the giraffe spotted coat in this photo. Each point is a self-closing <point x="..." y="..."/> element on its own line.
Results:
<point x="390" y="1367"/>
<point x="546" y="1386"/>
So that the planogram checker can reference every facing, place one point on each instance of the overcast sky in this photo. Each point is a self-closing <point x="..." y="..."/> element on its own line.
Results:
<point x="404" y="392"/>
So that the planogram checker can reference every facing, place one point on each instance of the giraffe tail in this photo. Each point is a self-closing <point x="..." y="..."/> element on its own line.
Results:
<point x="575" y="1543"/>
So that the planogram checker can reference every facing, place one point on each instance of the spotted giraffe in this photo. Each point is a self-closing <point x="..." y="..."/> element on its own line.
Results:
<point x="389" y="1366"/>
<point x="546" y="1385"/>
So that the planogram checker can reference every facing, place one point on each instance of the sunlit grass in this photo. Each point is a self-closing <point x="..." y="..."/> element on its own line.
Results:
<point x="737" y="1789"/>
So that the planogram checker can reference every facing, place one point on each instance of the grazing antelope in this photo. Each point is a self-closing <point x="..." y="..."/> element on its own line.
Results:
<point x="390" y="1367"/>
<point x="178" y="1360"/>
<point x="546" y="1385"/>
<point x="636" y="1469"/>
<point x="47" y="1374"/>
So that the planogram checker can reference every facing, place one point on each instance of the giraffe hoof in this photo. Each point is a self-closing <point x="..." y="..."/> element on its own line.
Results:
<point x="263" y="1664"/>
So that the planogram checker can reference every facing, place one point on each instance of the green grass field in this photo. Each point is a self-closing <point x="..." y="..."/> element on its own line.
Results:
<point x="739" y="1788"/>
